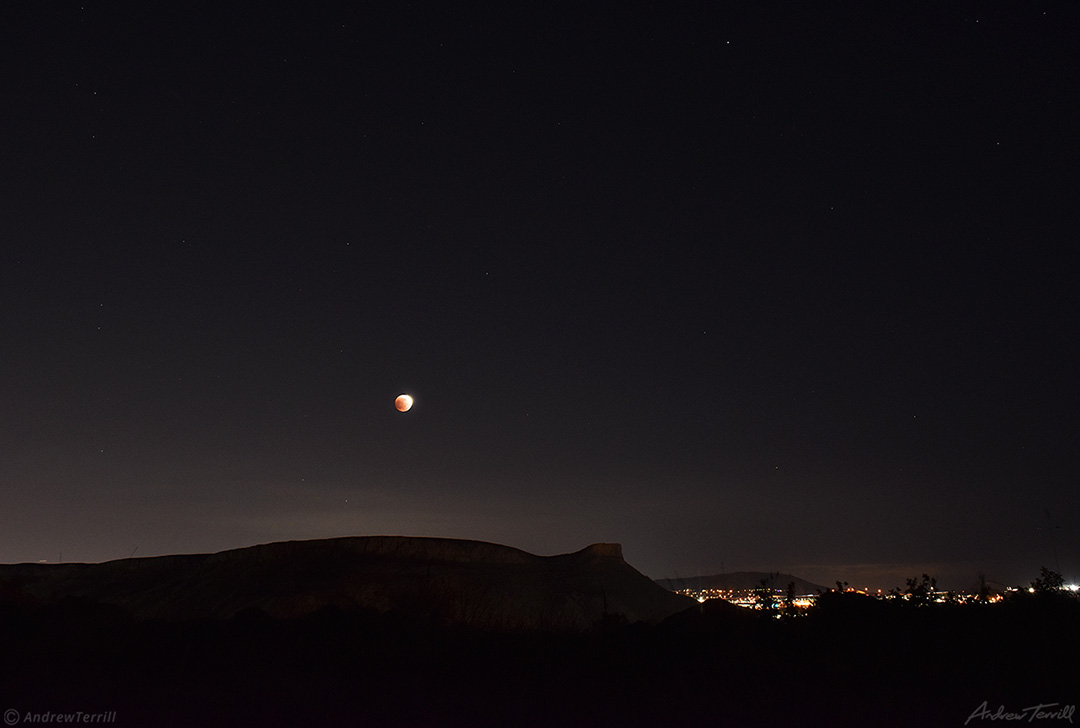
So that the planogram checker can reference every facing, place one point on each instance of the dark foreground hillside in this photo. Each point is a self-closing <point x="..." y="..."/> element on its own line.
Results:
<point x="853" y="662"/>
<point x="291" y="660"/>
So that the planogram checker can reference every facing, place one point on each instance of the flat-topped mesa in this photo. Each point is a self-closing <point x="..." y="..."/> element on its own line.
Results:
<point x="411" y="548"/>
<point x="447" y="581"/>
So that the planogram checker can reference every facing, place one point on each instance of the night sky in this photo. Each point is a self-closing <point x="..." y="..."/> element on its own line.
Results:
<point x="741" y="286"/>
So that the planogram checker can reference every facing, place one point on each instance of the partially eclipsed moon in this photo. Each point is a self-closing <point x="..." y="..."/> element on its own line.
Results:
<point x="403" y="402"/>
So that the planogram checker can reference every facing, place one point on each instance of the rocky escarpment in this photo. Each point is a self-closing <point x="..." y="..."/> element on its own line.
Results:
<point x="447" y="580"/>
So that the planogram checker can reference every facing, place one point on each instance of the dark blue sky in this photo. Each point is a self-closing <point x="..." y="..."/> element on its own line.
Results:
<point x="772" y="288"/>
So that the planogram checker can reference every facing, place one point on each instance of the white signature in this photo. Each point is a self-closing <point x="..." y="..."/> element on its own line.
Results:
<point x="1042" y="711"/>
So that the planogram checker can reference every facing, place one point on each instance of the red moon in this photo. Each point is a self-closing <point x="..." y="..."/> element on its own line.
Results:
<point x="403" y="402"/>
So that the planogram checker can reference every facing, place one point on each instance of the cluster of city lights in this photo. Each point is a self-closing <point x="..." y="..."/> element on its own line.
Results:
<point x="747" y="598"/>
<point x="750" y="599"/>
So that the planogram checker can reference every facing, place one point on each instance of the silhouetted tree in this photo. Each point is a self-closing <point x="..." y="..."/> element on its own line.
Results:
<point x="1048" y="581"/>
<point x="921" y="593"/>
<point x="764" y="595"/>
<point x="790" y="609"/>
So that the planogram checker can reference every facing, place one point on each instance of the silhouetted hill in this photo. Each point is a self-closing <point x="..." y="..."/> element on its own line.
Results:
<point x="447" y="580"/>
<point x="741" y="580"/>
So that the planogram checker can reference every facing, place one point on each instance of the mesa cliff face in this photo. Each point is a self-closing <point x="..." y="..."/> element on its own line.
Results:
<point x="446" y="580"/>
